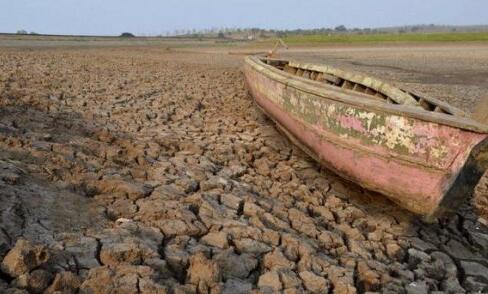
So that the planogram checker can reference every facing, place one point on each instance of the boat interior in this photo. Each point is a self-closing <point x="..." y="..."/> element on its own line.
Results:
<point x="428" y="104"/>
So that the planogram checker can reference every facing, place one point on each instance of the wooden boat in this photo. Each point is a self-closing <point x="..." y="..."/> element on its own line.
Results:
<point x="422" y="153"/>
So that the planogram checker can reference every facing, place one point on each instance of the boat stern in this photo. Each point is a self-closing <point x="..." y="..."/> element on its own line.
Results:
<point x="465" y="182"/>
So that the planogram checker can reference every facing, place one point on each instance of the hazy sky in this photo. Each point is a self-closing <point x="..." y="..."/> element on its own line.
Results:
<point x="156" y="17"/>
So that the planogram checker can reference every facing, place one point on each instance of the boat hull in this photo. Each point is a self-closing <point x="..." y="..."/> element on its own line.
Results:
<point x="423" y="166"/>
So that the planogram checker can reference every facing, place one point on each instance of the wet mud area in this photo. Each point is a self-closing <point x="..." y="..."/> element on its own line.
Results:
<point x="139" y="170"/>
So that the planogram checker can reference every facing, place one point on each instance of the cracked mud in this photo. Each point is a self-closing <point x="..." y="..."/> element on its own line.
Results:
<point x="139" y="170"/>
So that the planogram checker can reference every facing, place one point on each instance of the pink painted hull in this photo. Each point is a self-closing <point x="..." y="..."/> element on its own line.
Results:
<point x="424" y="178"/>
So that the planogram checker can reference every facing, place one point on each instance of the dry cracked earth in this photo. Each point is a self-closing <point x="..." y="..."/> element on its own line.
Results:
<point x="141" y="170"/>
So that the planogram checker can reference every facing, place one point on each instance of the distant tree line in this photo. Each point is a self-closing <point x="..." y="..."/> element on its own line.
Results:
<point x="24" y="32"/>
<point x="258" y="33"/>
<point x="237" y="33"/>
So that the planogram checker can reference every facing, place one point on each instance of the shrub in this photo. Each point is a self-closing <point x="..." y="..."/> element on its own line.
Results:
<point x="127" y="35"/>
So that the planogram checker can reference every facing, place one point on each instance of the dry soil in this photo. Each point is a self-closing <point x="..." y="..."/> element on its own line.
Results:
<point x="143" y="170"/>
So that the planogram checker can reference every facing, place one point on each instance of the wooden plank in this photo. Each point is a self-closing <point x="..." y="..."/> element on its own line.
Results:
<point x="446" y="106"/>
<point x="289" y="69"/>
<point x="438" y="109"/>
<point x="426" y="105"/>
<point x="347" y="85"/>
<point x="320" y="77"/>
<point x="359" y="88"/>
<point x="394" y="93"/>
<point x="334" y="80"/>
<point x="370" y="91"/>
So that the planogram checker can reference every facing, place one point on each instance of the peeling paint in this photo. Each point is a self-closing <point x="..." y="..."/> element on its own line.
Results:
<point x="381" y="132"/>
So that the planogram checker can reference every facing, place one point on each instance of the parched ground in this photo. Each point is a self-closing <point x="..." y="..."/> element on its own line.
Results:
<point x="143" y="170"/>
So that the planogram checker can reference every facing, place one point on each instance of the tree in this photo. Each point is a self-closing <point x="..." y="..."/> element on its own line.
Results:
<point x="340" y="28"/>
<point x="21" y="32"/>
<point x="127" y="35"/>
<point x="221" y="35"/>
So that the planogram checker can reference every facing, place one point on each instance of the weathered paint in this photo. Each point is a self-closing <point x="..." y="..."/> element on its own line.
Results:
<point x="412" y="161"/>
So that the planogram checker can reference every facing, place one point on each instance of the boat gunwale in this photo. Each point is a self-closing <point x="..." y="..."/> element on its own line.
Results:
<point x="330" y="92"/>
<point x="387" y="89"/>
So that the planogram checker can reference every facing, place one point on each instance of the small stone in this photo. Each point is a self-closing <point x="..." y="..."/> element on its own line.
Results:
<point x="479" y="239"/>
<point x="172" y="227"/>
<point x="323" y="212"/>
<point x="83" y="249"/>
<point x="262" y="166"/>
<point x="293" y="291"/>
<point x="451" y="285"/>
<point x="421" y="245"/>
<point x="449" y="267"/>
<point x="375" y="236"/>
<point x="314" y="283"/>
<point x="289" y="279"/>
<point x="415" y="257"/>
<point x="330" y="240"/>
<point x="231" y="201"/>
<point x="132" y="190"/>
<point x="270" y="281"/>
<point x="160" y="266"/>
<point x="184" y="289"/>
<point x="417" y="288"/>
<point x="271" y="237"/>
<point x="117" y="253"/>
<point x="203" y="270"/>
<point x="341" y="287"/>
<point x="233" y="170"/>
<point x="435" y="270"/>
<point x="251" y="209"/>
<point x="64" y="282"/>
<point x="121" y="279"/>
<point x="475" y="285"/>
<point x="24" y="257"/>
<point x="235" y="286"/>
<point x="236" y="266"/>
<point x="302" y="222"/>
<point x="149" y="286"/>
<point x="369" y="279"/>
<point x="251" y="246"/>
<point x="275" y="260"/>
<point x="216" y="239"/>
<point x="213" y="183"/>
<point x="458" y="250"/>
<point x="394" y="251"/>
<point x="176" y="256"/>
<point x="36" y="281"/>
<point x="474" y="269"/>
<point x="15" y="291"/>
